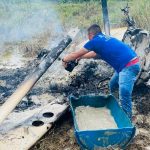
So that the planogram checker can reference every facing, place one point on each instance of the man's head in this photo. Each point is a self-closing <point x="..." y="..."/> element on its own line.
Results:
<point x="93" y="30"/>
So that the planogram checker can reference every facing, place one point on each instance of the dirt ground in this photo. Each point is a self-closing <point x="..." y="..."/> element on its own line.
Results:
<point x="61" y="137"/>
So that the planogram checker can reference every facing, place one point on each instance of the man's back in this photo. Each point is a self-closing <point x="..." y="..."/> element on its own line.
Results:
<point x="111" y="50"/>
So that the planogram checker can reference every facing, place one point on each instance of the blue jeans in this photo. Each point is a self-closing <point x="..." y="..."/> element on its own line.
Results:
<point x="125" y="80"/>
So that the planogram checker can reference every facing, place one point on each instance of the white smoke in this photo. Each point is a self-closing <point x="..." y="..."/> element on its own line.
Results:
<point x="22" y="20"/>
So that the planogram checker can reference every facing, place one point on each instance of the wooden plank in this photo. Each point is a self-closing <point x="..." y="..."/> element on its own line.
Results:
<point x="21" y="135"/>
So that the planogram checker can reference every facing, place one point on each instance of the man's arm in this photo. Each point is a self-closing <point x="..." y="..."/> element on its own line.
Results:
<point x="75" y="55"/>
<point x="89" y="55"/>
<point x="80" y="54"/>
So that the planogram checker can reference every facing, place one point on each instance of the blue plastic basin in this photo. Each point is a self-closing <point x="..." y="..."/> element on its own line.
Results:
<point x="95" y="139"/>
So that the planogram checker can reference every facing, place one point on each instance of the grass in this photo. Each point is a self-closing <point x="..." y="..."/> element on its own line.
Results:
<point x="141" y="13"/>
<point x="86" y="13"/>
<point x="22" y="20"/>
<point x="78" y="14"/>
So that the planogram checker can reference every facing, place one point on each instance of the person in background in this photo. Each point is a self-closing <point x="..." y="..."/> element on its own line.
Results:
<point x="118" y="55"/>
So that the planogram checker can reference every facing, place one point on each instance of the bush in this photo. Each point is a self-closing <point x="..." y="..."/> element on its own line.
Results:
<point x="140" y="10"/>
<point x="82" y="13"/>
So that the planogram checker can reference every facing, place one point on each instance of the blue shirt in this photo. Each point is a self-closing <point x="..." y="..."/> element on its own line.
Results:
<point x="111" y="50"/>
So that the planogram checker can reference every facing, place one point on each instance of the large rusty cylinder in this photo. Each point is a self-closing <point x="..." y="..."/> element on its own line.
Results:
<point x="30" y="81"/>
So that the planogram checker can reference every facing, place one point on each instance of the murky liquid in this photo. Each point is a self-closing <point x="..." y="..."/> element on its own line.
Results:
<point x="91" y="118"/>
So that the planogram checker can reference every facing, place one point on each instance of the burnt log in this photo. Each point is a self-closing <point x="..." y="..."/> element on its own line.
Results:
<point x="30" y="81"/>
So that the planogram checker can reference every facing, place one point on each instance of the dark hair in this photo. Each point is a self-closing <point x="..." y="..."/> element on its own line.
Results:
<point x="95" y="29"/>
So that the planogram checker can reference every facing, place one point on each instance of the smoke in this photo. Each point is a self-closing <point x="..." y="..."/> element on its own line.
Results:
<point x="22" y="20"/>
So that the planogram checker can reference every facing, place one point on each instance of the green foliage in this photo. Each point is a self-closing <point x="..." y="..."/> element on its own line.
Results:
<point x="86" y="13"/>
<point x="75" y="1"/>
<point x="140" y="10"/>
<point x="82" y="13"/>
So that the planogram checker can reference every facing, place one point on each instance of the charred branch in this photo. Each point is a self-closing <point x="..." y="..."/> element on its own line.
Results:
<point x="30" y="81"/>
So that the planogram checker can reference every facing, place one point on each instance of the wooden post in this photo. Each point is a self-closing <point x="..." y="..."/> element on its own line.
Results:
<point x="105" y="17"/>
<point x="28" y="83"/>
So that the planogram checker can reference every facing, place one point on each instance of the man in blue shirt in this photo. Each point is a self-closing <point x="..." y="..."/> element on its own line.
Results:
<point x="117" y="54"/>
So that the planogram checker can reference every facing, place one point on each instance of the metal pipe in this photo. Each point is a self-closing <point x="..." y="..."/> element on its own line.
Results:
<point x="30" y="81"/>
<point x="105" y="17"/>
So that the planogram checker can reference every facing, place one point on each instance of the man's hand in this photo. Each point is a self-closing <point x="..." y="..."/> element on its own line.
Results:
<point x="76" y="56"/>
<point x="64" y="63"/>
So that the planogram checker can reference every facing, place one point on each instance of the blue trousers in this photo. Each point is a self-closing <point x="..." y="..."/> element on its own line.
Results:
<point x="125" y="80"/>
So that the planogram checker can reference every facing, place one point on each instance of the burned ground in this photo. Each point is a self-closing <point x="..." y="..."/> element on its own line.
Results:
<point x="91" y="79"/>
<point x="87" y="81"/>
<point x="61" y="137"/>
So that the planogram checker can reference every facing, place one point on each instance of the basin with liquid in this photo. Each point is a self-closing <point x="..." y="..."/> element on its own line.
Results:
<point x="118" y="137"/>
